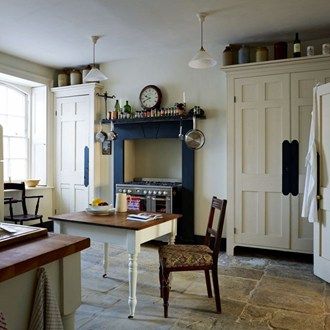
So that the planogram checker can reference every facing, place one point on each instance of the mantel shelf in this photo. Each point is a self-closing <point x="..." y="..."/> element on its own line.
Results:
<point x="149" y="120"/>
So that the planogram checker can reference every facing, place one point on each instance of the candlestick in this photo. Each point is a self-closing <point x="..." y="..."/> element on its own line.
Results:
<point x="184" y="97"/>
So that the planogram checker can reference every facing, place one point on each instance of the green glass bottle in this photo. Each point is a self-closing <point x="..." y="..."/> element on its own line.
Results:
<point x="117" y="107"/>
<point x="127" y="108"/>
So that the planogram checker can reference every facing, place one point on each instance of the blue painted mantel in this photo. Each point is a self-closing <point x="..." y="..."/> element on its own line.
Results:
<point x="160" y="128"/>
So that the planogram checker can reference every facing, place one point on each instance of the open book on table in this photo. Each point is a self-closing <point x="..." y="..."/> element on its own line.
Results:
<point x="144" y="216"/>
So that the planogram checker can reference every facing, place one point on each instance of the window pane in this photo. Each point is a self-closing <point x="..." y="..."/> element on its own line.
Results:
<point x="16" y="103"/>
<point x="5" y="147"/>
<point x="18" y="169"/>
<point x="4" y="124"/>
<point x="5" y="170"/>
<point x="16" y="126"/>
<point x="17" y="148"/>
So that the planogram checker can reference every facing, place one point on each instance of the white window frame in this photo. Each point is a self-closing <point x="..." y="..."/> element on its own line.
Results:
<point x="28" y="115"/>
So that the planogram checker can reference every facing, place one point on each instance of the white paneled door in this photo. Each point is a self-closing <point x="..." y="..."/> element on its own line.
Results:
<point x="262" y="120"/>
<point x="322" y="228"/>
<point x="72" y="136"/>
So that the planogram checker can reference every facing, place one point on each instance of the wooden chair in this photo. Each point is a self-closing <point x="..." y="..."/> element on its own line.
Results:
<point x="11" y="201"/>
<point x="175" y="258"/>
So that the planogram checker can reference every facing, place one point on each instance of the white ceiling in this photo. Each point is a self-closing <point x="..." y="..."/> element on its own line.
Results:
<point x="56" y="32"/>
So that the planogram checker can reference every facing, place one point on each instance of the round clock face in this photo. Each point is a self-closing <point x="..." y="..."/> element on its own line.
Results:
<point x="150" y="97"/>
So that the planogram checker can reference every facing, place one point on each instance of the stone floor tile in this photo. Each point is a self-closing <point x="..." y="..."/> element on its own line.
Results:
<point x="100" y="299"/>
<point x="242" y="261"/>
<point x="283" y="319"/>
<point x="286" y="300"/>
<point x="255" y="274"/>
<point x="294" y="286"/>
<point x="256" y="315"/>
<point x="292" y="272"/>
<point x="231" y="288"/>
<point x="86" y="314"/>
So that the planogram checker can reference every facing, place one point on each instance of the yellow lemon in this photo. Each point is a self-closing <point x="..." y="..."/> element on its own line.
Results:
<point x="96" y="201"/>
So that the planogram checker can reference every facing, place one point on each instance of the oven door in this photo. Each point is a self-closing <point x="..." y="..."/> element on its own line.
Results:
<point x="161" y="204"/>
<point x="136" y="203"/>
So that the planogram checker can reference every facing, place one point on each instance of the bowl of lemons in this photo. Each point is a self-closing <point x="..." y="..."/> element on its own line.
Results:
<point x="99" y="205"/>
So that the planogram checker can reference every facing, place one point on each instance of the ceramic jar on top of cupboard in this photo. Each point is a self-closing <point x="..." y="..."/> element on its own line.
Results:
<point x="228" y="56"/>
<point x="75" y="77"/>
<point x="261" y="54"/>
<point x="244" y="55"/>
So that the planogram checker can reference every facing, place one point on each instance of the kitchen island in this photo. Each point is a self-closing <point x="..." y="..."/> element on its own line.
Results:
<point x="59" y="255"/>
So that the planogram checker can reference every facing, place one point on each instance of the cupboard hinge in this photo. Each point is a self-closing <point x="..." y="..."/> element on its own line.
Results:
<point x="234" y="99"/>
<point x="55" y="112"/>
<point x="55" y="211"/>
<point x="235" y="231"/>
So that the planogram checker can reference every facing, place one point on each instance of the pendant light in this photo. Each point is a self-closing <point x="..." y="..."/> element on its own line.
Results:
<point x="94" y="75"/>
<point x="202" y="60"/>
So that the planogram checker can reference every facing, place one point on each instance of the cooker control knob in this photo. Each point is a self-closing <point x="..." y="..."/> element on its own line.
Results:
<point x="138" y="191"/>
<point x="129" y="191"/>
<point x="124" y="190"/>
<point x="149" y="192"/>
<point x="164" y="193"/>
<point x="144" y="192"/>
<point x="159" y="192"/>
<point x="120" y="190"/>
<point x="155" y="192"/>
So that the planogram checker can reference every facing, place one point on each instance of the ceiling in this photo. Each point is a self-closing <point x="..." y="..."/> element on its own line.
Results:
<point x="56" y="32"/>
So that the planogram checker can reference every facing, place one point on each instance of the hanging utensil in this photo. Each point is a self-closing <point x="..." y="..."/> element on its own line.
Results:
<point x="181" y="136"/>
<point x="112" y="134"/>
<point x="101" y="136"/>
<point x="194" y="138"/>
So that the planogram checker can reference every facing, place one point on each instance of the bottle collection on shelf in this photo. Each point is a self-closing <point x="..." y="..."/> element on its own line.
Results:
<point x="126" y="112"/>
<point x="232" y="55"/>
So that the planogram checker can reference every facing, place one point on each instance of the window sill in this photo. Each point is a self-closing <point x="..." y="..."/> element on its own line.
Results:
<point x="32" y="188"/>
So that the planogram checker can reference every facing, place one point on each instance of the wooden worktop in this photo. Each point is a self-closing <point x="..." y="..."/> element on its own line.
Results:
<point x="117" y="220"/>
<point x="20" y="258"/>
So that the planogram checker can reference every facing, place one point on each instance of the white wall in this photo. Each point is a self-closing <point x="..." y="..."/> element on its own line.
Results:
<point x="206" y="88"/>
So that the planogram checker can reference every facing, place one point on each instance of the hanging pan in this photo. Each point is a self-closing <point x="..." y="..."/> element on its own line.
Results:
<point x="101" y="136"/>
<point x="194" y="138"/>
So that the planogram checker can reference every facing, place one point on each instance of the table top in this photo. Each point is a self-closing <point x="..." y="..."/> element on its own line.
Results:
<point x="19" y="258"/>
<point x="116" y="220"/>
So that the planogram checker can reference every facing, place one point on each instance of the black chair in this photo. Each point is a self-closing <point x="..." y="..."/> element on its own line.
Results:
<point x="176" y="258"/>
<point x="12" y="201"/>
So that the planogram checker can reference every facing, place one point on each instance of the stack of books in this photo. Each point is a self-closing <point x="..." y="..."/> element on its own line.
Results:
<point x="144" y="216"/>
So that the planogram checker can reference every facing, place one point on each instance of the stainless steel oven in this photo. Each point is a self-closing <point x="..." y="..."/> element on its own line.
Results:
<point x="151" y="195"/>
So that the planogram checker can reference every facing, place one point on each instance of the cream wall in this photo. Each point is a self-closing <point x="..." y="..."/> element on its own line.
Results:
<point x="21" y="68"/>
<point x="206" y="88"/>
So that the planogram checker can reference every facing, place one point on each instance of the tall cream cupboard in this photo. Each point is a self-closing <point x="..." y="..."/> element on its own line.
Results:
<point x="77" y="116"/>
<point x="268" y="102"/>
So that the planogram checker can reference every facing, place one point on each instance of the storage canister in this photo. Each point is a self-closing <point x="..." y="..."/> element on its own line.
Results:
<point x="75" y="77"/>
<point x="280" y="50"/>
<point x="244" y="55"/>
<point x="62" y="79"/>
<point x="85" y="72"/>
<point x="261" y="54"/>
<point x="227" y="56"/>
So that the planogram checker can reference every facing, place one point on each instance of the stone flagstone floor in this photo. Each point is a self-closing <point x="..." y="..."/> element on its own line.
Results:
<point x="256" y="293"/>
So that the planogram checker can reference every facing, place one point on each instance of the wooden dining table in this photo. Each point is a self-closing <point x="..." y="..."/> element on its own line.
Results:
<point x="117" y="230"/>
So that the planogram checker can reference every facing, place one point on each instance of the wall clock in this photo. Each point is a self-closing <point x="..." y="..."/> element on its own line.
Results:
<point x="150" y="97"/>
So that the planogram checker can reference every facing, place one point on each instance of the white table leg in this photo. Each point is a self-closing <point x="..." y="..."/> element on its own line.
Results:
<point x="132" y="281"/>
<point x="106" y="259"/>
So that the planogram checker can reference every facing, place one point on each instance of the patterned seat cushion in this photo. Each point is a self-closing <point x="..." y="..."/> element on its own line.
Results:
<point x="178" y="256"/>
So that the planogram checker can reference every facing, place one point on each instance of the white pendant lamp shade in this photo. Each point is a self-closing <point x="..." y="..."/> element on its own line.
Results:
<point x="202" y="59"/>
<point x="95" y="75"/>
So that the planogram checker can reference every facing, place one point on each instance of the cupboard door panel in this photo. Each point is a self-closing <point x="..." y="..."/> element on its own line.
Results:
<point x="302" y="84"/>
<point x="262" y="122"/>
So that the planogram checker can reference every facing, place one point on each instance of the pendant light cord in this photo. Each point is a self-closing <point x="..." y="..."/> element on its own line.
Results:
<point x="94" y="42"/>
<point x="202" y="48"/>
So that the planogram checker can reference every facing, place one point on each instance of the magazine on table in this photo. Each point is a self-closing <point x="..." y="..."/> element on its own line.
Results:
<point x="144" y="216"/>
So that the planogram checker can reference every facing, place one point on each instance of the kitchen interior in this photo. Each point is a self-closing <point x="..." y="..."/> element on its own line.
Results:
<point x="106" y="113"/>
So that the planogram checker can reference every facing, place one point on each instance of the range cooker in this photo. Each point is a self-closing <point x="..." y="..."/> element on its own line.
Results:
<point x="152" y="194"/>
